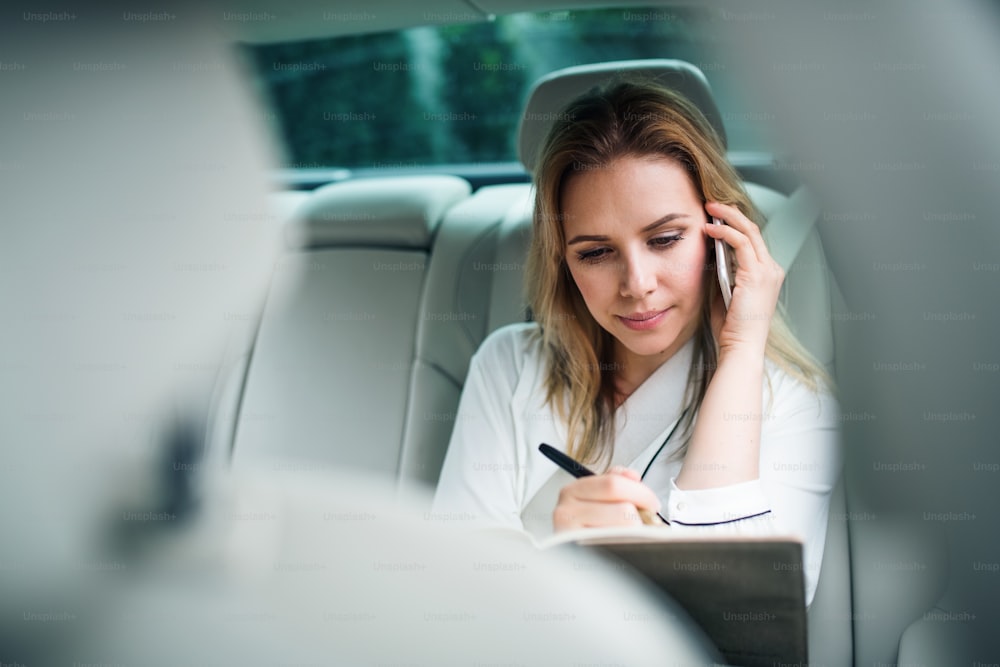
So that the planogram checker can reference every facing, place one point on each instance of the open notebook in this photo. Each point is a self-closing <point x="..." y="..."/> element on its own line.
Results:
<point x="748" y="595"/>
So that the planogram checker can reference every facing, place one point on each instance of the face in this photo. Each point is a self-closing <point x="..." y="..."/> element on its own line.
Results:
<point x="637" y="252"/>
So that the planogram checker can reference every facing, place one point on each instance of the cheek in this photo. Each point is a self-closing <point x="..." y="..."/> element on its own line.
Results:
<point x="688" y="270"/>
<point x="588" y="284"/>
<point x="686" y="264"/>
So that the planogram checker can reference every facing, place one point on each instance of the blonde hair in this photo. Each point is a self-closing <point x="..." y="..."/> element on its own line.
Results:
<point x="636" y="120"/>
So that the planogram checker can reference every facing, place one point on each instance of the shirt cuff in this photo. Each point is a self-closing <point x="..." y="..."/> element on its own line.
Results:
<point x="710" y="507"/>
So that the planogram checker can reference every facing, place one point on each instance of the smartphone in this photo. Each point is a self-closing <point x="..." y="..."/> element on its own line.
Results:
<point x="725" y="265"/>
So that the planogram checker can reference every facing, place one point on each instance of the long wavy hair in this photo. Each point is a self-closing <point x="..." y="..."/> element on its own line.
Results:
<point x="628" y="119"/>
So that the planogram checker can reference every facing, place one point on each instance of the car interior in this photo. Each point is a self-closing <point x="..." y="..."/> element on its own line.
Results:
<point x="438" y="268"/>
<point x="348" y="359"/>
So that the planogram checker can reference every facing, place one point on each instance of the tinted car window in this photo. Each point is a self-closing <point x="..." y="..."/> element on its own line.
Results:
<point x="453" y="94"/>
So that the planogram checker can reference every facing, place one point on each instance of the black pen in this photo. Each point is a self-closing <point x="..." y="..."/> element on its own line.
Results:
<point x="578" y="470"/>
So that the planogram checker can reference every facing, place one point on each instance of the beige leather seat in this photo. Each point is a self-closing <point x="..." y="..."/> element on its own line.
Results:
<point x="327" y="381"/>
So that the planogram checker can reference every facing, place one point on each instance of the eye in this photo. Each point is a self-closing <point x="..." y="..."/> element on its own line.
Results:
<point x="665" y="241"/>
<point x="593" y="256"/>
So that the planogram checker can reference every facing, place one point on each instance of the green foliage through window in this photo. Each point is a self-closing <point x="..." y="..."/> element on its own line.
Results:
<point x="453" y="94"/>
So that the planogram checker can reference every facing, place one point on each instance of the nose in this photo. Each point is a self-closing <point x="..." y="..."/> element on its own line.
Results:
<point x="638" y="276"/>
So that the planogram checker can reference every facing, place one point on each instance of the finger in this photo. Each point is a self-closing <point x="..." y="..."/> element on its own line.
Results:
<point x="746" y="254"/>
<point x="751" y="271"/>
<point x="626" y="472"/>
<point x="577" y="514"/>
<point x="611" y="488"/>
<point x="651" y="518"/>
<point x="734" y="217"/>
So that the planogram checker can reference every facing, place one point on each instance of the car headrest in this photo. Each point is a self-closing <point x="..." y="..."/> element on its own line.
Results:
<point x="554" y="91"/>
<point x="400" y="212"/>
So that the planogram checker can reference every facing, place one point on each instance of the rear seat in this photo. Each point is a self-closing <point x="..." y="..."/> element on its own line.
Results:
<point x="474" y="286"/>
<point x="476" y="279"/>
<point x="364" y="346"/>
<point x="327" y="381"/>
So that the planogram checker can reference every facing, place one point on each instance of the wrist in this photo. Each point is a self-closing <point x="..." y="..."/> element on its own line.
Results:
<point x="751" y="354"/>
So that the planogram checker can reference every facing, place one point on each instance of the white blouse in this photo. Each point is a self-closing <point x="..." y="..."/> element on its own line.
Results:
<point x="494" y="472"/>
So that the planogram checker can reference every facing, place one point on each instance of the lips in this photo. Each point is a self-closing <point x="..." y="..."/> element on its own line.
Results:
<point x="643" y="321"/>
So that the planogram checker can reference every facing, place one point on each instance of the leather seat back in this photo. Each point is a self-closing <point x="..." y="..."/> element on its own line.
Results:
<point x="474" y="286"/>
<point x="329" y="375"/>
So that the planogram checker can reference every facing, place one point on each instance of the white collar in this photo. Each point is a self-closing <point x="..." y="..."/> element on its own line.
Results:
<point x="653" y="408"/>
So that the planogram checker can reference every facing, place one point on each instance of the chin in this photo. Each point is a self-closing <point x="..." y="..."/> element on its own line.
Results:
<point x="646" y="345"/>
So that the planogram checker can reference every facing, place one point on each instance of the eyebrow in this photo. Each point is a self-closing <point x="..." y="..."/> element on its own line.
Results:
<point x="670" y="217"/>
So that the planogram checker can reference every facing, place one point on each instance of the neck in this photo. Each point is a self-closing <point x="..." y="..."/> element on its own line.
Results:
<point x="633" y="369"/>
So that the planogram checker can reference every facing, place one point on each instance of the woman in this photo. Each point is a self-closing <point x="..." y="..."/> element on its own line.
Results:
<point x="718" y="419"/>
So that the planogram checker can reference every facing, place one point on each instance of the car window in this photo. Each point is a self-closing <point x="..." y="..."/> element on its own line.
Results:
<point x="453" y="94"/>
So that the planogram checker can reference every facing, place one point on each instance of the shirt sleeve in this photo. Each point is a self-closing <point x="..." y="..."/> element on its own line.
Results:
<point x="478" y="478"/>
<point x="800" y="462"/>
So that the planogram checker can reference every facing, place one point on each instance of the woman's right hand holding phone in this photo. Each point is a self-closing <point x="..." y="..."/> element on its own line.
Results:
<point x="747" y="323"/>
